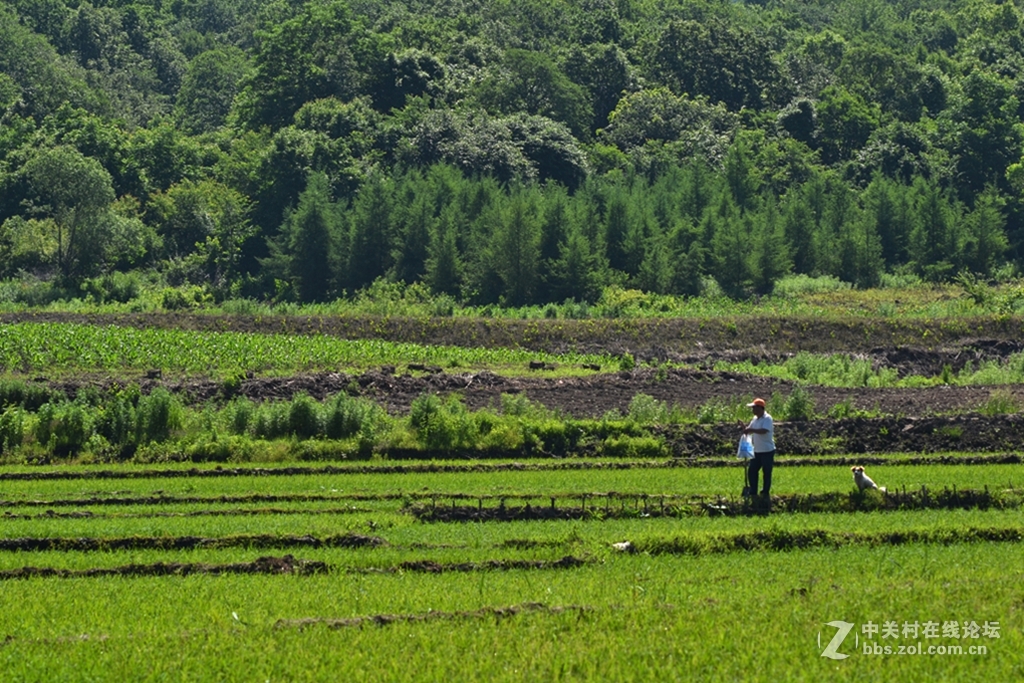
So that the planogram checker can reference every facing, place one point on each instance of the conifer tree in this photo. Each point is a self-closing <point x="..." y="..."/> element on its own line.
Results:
<point x="444" y="265"/>
<point x="985" y="240"/>
<point x="371" y="233"/>
<point x="656" y="272"/>
<point x="688" y="257"/>
<point x="931" y="238"/>
<point x="414" y="230"/>
<point x="772" y="251"/>
<point x="516" y="247"/>
<point x="616" y="229"/>
<point x="798" y="227"/>
<point x="731" y="247"/>
<point x="304" y="252"/>
<point x="576" y="274"/>
<point x="740" y="176"/>
<point x="881" y="210"/>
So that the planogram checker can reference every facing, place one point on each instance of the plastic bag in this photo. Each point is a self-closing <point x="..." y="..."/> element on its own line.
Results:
<point x="746" y="448"/>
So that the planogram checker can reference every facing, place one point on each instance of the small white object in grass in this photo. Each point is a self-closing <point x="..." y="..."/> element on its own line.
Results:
<point x="624" y="545"/>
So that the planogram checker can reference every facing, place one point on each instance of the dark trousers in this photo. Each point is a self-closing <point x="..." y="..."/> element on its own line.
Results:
<point x="761" y="461"/>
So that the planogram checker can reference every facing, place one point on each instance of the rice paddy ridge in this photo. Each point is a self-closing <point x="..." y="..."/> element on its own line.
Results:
<point x="483" y="467"/>
<point x="699" y="544"/>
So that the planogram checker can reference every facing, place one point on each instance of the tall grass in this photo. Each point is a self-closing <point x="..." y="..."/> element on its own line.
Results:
<point x="845" y="370"/>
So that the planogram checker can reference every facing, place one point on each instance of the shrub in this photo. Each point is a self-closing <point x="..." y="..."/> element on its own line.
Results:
<point x="645" y="409"/>
<point x="211" y="450"/>
<point x="422" y="409"/>
<point x="304" y="417"/>
<point x="558" y="436"/>
<point x="239" y="415"/>
<point x="519" y="405"/>
<point x="116" y="286"/>
<point x="842" y="409"/>
<point x="713" y="412"/>
<point x="118" y="420"/>
<point x="345" y="416"/>
<point x="442" y="426"/>
<point x="159" y="413"/>
<point x="632" y="447"/>
<point x="230" y="386"/>
<point x="28" y="395"/>
<point x="271" y="421"/>
<point x="12" y="429"/>
<point x="63" y="428"/>
<point x="799" y="405"/>
<point x="183" y="298"/>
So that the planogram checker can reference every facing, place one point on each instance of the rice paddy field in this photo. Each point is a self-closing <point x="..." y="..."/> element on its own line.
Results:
<point x="257" y="573"/>
<point x="136" y="545"/>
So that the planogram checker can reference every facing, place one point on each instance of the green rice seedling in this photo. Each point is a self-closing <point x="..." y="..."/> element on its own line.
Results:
<point x="252" y="628"/>
<point x="626" y="446"/>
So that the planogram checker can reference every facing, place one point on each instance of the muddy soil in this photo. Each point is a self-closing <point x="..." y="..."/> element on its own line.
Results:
<point x="187" y="543"/>
<point x="433" y="615"/>
<point x="261" y="565"/>
<point x="581" y="397"/>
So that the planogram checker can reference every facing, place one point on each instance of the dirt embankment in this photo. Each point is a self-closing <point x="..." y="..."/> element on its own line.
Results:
<point x="591" y="396"/>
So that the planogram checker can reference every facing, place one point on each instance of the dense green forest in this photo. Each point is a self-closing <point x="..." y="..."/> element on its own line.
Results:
<point x="507" y="152"/>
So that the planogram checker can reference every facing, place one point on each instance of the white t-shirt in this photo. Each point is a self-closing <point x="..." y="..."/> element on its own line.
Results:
<point x="763" y="443"/>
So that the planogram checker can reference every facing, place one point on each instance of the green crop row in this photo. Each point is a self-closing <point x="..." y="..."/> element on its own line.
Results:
<point x="72" y="347"/>
<point x="724" y="481"/>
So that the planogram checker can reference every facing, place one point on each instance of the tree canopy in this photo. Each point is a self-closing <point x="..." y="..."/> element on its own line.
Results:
<point x="510" y="152"/>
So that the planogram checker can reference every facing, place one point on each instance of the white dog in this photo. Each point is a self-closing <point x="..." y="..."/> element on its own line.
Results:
<point x="863" y="481"/>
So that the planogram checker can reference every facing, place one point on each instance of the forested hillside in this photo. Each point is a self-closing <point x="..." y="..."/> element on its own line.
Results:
<point x="507" y="151"/>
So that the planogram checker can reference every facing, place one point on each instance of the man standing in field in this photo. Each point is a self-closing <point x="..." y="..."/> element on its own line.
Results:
<point x="762" y="434"/>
